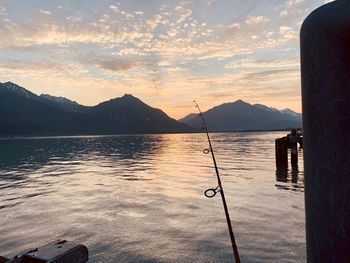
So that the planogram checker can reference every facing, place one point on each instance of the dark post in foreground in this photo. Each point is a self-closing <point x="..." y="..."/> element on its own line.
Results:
<point x="325" y="68"/>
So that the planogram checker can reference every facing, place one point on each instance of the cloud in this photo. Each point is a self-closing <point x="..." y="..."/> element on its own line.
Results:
<point x="111" y="64"/>
<point x="219" y="95"/>
<point x="114" y="8"/>
<point x="182" y="13"/>
<point x="117" y="65"/>
<point x="256" y="20"/>
<point x="284" y="13"/>
<point x="167" y="33"/>
<point x="295" y="3"/>
<point x="293" y="9"/>
<point x="264" y="63"/>
<point x="235" y="26"/>
<point x="44" y="12"/>
<point x="154" y="22"/>
<point x="288" y="33"/>
<point x="265" y="75"/>
<point x="45" y="69"/>
<point x="30" y="64"/>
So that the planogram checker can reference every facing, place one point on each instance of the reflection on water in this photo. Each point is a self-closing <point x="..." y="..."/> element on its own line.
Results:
<point x="140" y="198"/>
<point x="290" y="179"/>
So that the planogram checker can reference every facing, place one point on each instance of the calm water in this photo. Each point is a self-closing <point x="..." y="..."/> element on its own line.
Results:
<point x="140" y="198"/>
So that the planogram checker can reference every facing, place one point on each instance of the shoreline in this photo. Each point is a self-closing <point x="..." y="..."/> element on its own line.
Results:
<point x="56" y="136"/>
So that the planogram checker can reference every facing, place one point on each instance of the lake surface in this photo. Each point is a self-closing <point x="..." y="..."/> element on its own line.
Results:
<point x="140" y="198"/>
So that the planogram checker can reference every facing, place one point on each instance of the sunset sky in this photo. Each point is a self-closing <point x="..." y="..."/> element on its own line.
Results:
<point x="166" y="53"/>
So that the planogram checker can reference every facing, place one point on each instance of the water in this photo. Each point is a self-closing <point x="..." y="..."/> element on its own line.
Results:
<point x="140" y="198"/>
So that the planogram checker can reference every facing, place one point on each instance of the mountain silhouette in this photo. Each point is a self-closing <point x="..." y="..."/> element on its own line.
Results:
<point x="24" y="113"/>
<point x="132" y="114"/>
<point x="242" y="116"/>
<point x="64" y="103"/>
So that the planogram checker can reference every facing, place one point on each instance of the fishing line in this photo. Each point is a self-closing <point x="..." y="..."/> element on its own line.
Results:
<point x="211" y="192"/>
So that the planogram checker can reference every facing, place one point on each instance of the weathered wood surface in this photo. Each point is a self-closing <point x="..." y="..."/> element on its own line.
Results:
<point x="281" y="152"/>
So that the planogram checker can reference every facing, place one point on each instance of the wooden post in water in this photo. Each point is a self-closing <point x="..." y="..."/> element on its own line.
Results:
<point x="325" y="68"/>
<point x="294" y="156"/>
<point x="281" y="152"/>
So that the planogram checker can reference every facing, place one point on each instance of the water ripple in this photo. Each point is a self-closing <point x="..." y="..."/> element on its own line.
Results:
<point x="140" y="198"/>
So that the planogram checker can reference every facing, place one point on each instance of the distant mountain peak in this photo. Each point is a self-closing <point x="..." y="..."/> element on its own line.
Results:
<point x="58" y="99"/>
<point x="12" y="85"/>
<point x="127" y="95"/>
<point x="240" y="102"/>
<point x="264" y="107"/>
<point x="9" y="83"/>
<point x="130" y="99"/>
<point x="290" y="112"/>
<point x="236" y="104"/>
<point x="16" y="89"/>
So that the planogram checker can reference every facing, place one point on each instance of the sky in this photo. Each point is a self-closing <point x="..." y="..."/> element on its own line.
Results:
<point x="167" y="53"/>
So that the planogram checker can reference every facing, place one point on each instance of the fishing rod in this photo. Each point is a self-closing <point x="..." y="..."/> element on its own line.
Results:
<point x="211" y="192"/>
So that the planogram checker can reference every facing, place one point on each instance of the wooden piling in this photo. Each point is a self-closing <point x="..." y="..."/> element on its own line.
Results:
<point x="281" y="152"/>
<point x="294" y="156"/>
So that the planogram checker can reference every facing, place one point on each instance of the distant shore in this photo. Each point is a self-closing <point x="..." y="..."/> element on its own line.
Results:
<point x="43" y="136"/>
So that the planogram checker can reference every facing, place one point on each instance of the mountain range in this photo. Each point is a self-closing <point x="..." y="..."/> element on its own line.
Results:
<point x="242" y="116"/>
<point x="25" y="113"/>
